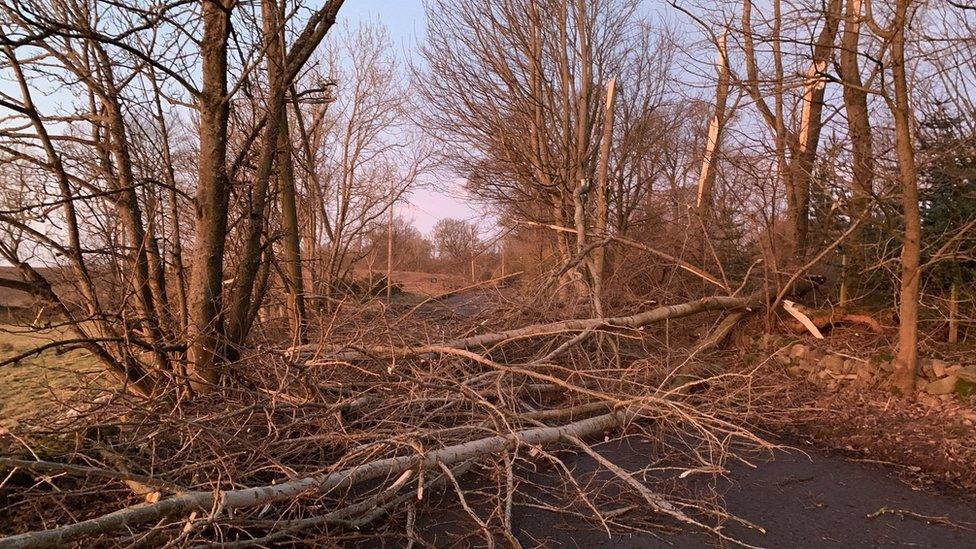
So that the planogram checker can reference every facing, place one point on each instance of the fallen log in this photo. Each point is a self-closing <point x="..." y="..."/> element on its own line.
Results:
<point x="206" y="501"/>
<point x="184" y="504"/>
<point x="831" y="319"/>
<point x="306" y="353"/>
<point x="688" y="370"/>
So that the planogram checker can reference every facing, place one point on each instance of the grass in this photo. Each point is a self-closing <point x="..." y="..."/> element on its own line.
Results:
<point x="35" y="384"/>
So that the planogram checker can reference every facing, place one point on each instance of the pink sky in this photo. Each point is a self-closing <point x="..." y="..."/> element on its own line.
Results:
<point x="427" y="206"/>
<point x="406" y="22"/>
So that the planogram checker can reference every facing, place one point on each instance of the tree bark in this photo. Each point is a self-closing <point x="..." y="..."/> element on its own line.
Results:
<point x="289" y="204"/>
<point x="205" y="325"/>
<point x="859" y="130"/>
<point x="169" y="173"/>
<point x="811" y="124"/>
<point x="602" y="186"/>
<point x="903" y="379"/>
<point x="794" y="172"/>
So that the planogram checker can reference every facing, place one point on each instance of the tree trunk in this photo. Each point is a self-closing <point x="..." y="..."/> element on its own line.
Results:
<point x="706" y="178"/>
<point x="241" y="303"/>
<point x="323" y="483"/>
<point x="145" y="274"/>
<point x="859" y="130"/>
<point x="954" y="313"/>
<point x="389" y="249"/>
<point x="811" y="124"/>
<point x="606" y="145"/>
<point x="903" y="379"/>
<point x="289" y="204"/>
<point x="282" y="69"/>
<point x="169" y="173"/>
<point x="204" y="329"/>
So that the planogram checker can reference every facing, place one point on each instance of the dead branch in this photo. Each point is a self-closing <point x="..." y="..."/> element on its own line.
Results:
<point x="48" y="467"/>
<point x="227" y="500"/>
<point x="488" y="340"/>
<point x="831" y="319"/>
<point x="697" y="271"/>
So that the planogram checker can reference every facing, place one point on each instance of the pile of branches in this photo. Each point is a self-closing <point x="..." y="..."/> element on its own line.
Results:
<point x="323" y="441"/>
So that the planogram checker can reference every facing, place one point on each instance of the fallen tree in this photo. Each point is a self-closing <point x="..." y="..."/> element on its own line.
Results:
<point x="226" y="500"/>
<point x="831" y="319"/>
<point x="520" y="429"/>
<point x="314" y="353"/>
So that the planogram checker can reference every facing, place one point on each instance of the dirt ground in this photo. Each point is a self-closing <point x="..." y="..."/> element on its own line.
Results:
<point x="930" y="442"/>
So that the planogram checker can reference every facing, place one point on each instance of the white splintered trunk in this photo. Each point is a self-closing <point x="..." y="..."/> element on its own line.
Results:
<point x="706" y="178"/>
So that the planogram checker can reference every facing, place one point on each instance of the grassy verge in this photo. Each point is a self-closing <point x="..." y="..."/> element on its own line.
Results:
<point x="36" y="384"/>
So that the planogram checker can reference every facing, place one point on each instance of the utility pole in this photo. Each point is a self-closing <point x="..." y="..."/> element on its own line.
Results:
<point x="389" y="246"/>
<point x="502" y="248"/>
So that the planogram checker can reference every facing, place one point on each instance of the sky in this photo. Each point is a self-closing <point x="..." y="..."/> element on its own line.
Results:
<point x="404" y="18"/>
<point x="406" y="22"/>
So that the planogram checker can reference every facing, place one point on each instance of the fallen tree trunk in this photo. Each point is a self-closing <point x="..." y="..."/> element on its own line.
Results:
<point x="323" y="484"/>
<point x="689" y="371"/>
<point x="823" y="320"/>
<point x="485" y="341"/>
<point x="206" y="501"/>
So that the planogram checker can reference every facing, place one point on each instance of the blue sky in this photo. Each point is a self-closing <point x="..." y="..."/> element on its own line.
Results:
<point x="404" y="18"/>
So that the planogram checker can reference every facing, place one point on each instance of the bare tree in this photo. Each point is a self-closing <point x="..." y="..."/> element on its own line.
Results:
<point x="859" y="130"/>
<point x="796" y="147"/>
<point x="111" y="59"/>
<point x="514" y="89"/>
<point x="457" y="242"/>
<point x="894" y="33"/>
<point x="359" y="156"/>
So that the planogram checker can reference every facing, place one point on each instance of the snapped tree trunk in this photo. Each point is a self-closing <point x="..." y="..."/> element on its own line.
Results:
<point x="811" y="124"/>
<point x="598" y="262"/>
<point x="706" y="178"/>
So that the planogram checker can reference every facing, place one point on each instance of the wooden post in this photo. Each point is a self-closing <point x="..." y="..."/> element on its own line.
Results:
<point x="954" y="313"/>
<point x="843" y="280"/>
<point x="389" y="247"/>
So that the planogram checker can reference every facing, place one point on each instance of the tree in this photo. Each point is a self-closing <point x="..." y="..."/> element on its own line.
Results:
<point x="515" y="93"/>
<point x="859" y="130"/>
<point x="204" y="303"/>
<point x="795" y="148"/>
<point x="457" y="242"/>
<point x="903" y="379"/>
<point x="116" y="76"/>
<point x="359" y="155"/>
<point x="948" y="175"/>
